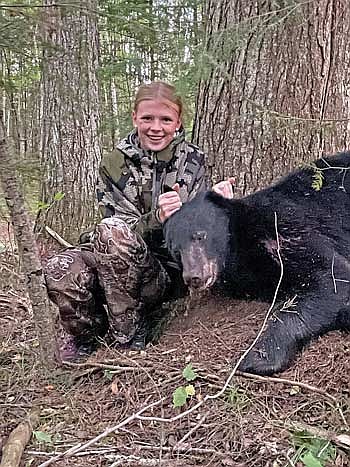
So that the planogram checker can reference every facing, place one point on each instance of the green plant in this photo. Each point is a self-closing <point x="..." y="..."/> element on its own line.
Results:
<point x="317" y="179"/>
<point x="182" y="393"/>
<point x="42" y="206"/>
<point x="237" y="398"/>
<point x="189" y="373"/>
<point x="311" y="450"/>
<point x="42" y="437"/>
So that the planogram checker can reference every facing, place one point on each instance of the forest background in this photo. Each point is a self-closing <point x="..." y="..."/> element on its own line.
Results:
<point x="266" y="87"/>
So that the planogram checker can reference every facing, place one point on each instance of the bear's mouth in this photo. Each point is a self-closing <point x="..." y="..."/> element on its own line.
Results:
<point x="202" y="276"/>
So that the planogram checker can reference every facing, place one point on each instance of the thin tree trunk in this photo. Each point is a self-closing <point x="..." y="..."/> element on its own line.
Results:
<point x="44" y="311"/>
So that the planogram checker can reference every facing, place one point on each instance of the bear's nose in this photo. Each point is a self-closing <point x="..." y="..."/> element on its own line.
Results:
<point x="199" y="236"/>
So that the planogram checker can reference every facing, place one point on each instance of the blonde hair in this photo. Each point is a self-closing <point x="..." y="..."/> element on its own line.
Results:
<point x="159" y="90"/>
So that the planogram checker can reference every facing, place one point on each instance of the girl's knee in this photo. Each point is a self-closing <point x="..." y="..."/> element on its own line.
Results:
<point x="113" y="236"/>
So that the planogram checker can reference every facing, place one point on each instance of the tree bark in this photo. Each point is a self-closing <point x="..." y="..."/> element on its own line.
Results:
<point x="44" y="311"/>
<point x="70" y="143"/>
<point x="276" y="89"/>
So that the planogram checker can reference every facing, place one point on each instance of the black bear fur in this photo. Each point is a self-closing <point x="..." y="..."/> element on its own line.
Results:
<point x="234" y="244"/>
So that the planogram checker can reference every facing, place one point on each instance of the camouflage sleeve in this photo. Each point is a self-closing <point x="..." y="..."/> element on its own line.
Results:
<point x="148" y="222"/>
<point x="112" y="202"/>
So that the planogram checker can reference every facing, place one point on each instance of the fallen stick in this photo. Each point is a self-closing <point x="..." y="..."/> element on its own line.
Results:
<point x="271" y="379"/>
<point x="57" y="237"/>
<point x="13" y="449"/>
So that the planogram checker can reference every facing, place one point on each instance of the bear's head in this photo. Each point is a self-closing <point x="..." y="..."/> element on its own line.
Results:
<point x="198" y="237"/>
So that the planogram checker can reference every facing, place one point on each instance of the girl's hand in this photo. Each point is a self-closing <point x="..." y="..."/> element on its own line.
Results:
<point x="225" y="188"/>
<point x="168" y="203"/>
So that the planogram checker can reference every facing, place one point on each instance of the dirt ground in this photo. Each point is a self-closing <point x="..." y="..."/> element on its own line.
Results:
<point x="295" y="419"/>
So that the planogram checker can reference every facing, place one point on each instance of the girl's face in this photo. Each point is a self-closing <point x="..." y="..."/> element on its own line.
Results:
<point x="156" y="122"/>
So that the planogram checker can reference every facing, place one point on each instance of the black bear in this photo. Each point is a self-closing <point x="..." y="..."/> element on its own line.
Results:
<point x="234" y="244"/>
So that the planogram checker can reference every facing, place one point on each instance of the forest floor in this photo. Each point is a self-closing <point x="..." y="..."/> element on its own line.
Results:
<point x="299" y="418"/>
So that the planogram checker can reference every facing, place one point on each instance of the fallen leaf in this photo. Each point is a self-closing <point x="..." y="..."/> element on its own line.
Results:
<point x="294" y="390"/>
<point x="114" y="387"/>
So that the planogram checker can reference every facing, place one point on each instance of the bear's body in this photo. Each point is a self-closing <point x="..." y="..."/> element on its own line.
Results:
<point x="234" y="243"/>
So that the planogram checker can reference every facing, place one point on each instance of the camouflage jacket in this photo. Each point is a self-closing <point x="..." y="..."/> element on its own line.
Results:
<point x="131" y="180"/>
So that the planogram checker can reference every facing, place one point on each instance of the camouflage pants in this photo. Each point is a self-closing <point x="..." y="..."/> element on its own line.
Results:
<point x="118" y="271"/>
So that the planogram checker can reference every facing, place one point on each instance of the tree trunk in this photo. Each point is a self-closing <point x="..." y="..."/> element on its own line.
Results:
<point x="44" y="311"/>
<point x="276" y="89"/>
<point x="70" y="144"/>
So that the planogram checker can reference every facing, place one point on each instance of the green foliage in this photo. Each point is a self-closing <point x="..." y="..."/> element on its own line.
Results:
<point x="43" y="206"/>
<point x="317" y="179"/>
<point x="312" y="451"/>
<point x="18" y="20"/>
<point x="317" y="176"/>
<point x="188" y="373"/>
<point x="182" y="393"/>
<point x="179" y="397"/>
<point x="42" y="437"/>
<point x="310" y="460"/>
<point x="58" y="196"/>
<point x="21" y="77"/>
<point x="237" y="398"/>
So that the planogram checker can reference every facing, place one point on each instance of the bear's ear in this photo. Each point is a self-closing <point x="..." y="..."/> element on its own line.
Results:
<point x="219" y="200"/>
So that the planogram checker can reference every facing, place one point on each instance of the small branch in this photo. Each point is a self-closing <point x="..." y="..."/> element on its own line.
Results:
<point x="44" y="310"/>
<point x="270" y="379"/>
<point x="192" y="430"/>
<point x="57" y="237"/>
<point x="104" y="451"/>
<point x="101" y="366"/>
<point x="13" y="450"/>
<point x="139" y="461"/>
<point x="80" y="447"/>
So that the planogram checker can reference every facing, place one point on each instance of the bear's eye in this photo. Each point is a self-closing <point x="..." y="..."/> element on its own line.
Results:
<point x="199" y="236"/>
